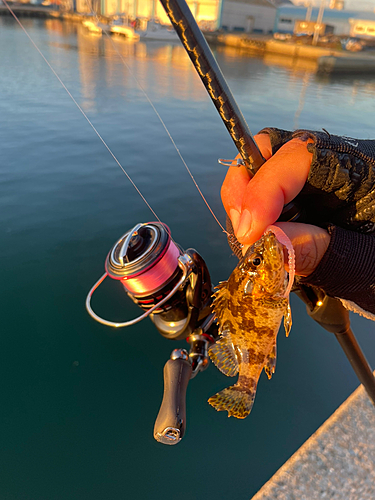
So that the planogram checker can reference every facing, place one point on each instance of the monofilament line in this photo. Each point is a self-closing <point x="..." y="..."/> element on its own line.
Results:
<point x="159" y="117"/>
<point x="81" y="110"/>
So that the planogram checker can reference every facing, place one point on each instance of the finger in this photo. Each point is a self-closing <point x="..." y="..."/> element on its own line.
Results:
<point x="277" y="183"/>
<point x="237" y="179"/>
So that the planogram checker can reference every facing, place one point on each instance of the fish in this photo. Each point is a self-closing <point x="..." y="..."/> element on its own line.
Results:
<point x="249" y="307"/>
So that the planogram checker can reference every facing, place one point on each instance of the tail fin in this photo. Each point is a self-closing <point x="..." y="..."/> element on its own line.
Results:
<point x="235" y="400"/>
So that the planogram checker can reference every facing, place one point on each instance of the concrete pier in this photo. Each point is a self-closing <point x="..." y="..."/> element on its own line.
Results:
<point x="328" y="60"/>
<point x="267" y="44"/>
<point x="337" y="462"/>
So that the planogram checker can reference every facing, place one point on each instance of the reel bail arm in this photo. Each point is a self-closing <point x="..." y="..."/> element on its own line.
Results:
<point x="185" y="264"/>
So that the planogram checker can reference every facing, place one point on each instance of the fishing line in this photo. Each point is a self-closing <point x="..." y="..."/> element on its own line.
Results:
<point x="165" y="128"/>
<point x="93" y="12"/>
<point x="81" y="110"/>
<point x="96" y="131"/>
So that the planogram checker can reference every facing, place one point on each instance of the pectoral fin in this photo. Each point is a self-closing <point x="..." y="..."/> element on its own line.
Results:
<point x="270" y="365"/>
<point x="223" y="355"/>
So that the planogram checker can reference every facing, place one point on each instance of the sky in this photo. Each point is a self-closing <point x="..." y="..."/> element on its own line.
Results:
<point x="368" y="5"/>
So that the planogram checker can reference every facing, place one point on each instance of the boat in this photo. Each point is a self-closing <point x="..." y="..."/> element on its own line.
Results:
<point x="157" y="31"/>
<point x="124" y="30"/>
<point x="92" y="26"/>
<point x="116" y="28"/>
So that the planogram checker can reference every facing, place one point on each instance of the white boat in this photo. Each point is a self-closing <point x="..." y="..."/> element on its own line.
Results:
<point x="126" y="31"/>
<point x="114" y="28"/>
<point x="92" y="26"/>
<point x="157" y="31"/>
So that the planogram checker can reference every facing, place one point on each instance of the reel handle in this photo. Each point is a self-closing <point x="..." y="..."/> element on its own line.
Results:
<point x="170" y="423"/>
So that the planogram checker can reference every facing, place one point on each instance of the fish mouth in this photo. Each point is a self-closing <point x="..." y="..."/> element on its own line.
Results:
<point x="283" y="239"/>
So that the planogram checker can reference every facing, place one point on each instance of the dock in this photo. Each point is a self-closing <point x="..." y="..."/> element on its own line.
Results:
<point x="337" y="462"/>
<point x="328" y="60"/>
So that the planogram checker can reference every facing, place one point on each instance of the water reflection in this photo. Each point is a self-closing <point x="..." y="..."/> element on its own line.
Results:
<point x="161" y="68"/>
<point x="166" y="69"/>
<point x="302" y="97"/>
<point x="297" y="65"/>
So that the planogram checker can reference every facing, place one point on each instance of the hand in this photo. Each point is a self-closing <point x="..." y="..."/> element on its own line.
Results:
<point x="254" y="204"/>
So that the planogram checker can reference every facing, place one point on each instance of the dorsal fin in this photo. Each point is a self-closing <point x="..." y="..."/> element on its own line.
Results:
<point x="223" y="355"/>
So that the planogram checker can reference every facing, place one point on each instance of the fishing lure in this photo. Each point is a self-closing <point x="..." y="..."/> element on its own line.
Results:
<point x="249" y="308"/>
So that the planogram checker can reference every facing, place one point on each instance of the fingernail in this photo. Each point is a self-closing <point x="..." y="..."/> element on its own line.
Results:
<point x="235" y="218"/>
<point x="244" y="226"/>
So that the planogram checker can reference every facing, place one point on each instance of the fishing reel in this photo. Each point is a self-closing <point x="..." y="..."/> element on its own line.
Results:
<point x="172" y="287"/>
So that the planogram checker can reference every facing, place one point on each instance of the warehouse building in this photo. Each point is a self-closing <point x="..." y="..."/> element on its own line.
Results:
<point x="249" y="16"/>
<point x="363" y="28"/>
<point x="287" y="15"/>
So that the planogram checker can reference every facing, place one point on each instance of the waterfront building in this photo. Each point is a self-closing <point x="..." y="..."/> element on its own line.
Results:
<point x="337" y="4"/>
<point x="363" y="28"/>
<point x="287" y="15"/>
<point x="249" y="16"/>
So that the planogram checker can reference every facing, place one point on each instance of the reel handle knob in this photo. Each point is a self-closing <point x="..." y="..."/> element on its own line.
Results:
<point x="170" y="423"/>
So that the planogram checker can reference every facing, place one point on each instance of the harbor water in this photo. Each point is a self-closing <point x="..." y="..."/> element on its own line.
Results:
<point x="78" y="399"/>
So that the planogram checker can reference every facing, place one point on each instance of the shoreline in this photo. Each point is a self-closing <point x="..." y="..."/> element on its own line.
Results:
<point x="328" y="60"/>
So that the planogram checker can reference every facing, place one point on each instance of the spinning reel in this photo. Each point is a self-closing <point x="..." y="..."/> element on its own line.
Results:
<point x="173" y="287"/>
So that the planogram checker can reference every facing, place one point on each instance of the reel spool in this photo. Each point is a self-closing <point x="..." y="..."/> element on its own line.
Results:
<point x="170" y="285"/>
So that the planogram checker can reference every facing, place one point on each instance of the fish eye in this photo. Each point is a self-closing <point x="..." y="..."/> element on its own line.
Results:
<point x="256" y="261"/>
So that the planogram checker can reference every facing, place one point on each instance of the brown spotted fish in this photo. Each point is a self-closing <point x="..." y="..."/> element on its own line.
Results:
<point x="249" y="308"/>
